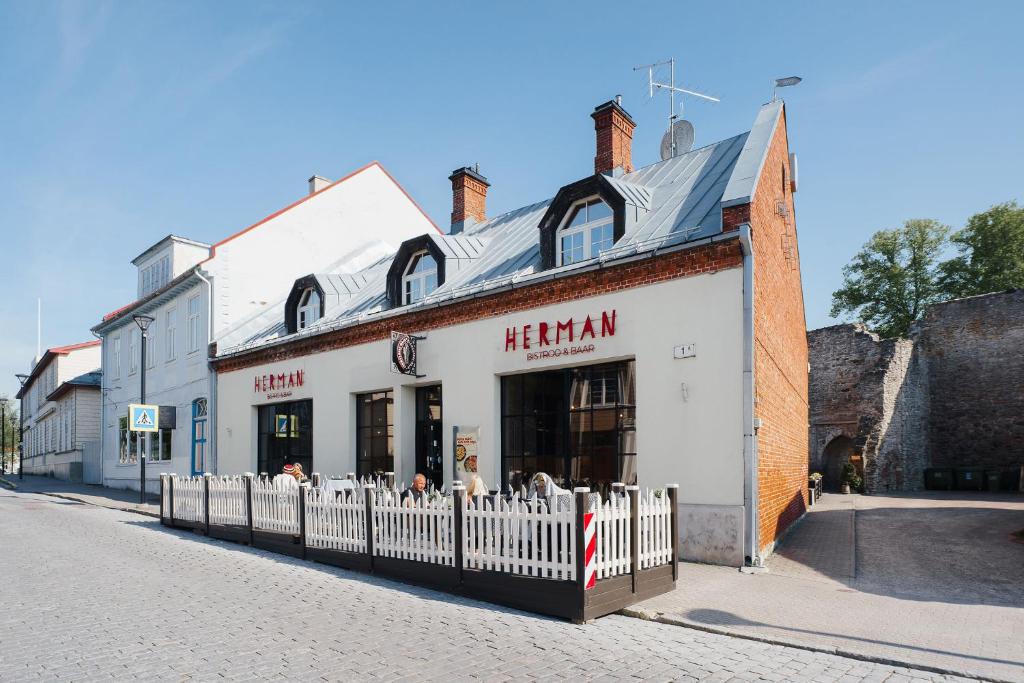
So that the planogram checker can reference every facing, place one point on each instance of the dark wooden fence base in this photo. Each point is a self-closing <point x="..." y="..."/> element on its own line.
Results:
<point x="550" y="597"/>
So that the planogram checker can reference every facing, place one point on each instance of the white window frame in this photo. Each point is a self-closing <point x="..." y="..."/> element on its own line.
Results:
<point x="115" y="360"/>
<point x="308" y="311"/>
<point x="420" y="278"/>
<point x="151" y="347"/>
<point x="133" y="352"/>
<point x="193" y="324"/>
<point x="169" y="330"/>
<point x="585" y="230"/>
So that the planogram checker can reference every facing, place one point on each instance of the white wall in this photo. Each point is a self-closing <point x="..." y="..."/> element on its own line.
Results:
<point x="696" y="441"/>
<point x="260" y="265"/>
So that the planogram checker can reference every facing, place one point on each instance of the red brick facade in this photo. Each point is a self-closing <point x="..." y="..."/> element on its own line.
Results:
<point x="614" y="139"/>
<point x="709" y="258"/>
<point x="780" y="347"/>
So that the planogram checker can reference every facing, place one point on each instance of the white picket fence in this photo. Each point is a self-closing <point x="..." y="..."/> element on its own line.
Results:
<point x="529" y="537"/>
<point x="335" y="520"/>
<point x="612" y="535"/>
<point x="275" y="505"/>
<point x="227" y="501"/>
<point x="407" y="530"/>
<point x="655" y="529"/>
<point x="188" y="499"/>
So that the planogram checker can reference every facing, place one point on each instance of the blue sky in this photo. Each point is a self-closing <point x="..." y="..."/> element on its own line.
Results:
<point x="122" y="122"/>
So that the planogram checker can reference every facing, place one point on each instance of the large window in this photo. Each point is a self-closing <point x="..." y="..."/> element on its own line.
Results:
<point x="577" y="425"/>
<point x="160" y="446"/>
<point x="193" y="324"/>
<point x="150" y="349"/>
<point x="115" y="358"/>
<point x="128" y="443"/>
<point x="309" y="308"/>
<point x="285" y="437"/>
<point x="169" y="329"/>
<point x="587" y="232"/>
<point x="375" y="442"/>
<point x="133" y="351"/>
<point x="420" y="278"/>
<point x="199" y="417"/>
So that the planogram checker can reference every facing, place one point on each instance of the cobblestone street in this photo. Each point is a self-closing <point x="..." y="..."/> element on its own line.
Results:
<point x="94" y="594"/>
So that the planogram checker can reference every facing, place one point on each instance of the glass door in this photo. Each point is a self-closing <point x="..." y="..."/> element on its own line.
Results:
<point x="429" y="435"/>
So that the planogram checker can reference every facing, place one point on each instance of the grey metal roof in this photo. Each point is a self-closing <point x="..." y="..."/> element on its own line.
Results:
<point x="675" y="201"/>
<point x="748" y="168"/>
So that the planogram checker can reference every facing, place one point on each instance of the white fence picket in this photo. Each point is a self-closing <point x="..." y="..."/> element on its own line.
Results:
<point x="655" y="529"/>
<point x="335" y="520"/>
<point x="227" y="501"/>
<point x="420" y="531"/>
<point x="524" y="537"/>
<point x="613" y="543"/>
<point x="188" y="499"/>
<point x="275" y="507"/>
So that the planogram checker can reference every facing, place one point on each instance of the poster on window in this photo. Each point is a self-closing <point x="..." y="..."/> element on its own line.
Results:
<point x="467" y="442"/>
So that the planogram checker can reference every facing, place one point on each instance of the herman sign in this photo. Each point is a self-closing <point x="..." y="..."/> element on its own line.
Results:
<point x="561" y="337"/>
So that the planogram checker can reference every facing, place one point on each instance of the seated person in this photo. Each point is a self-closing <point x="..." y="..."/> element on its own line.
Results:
<point x="417" y="492"/>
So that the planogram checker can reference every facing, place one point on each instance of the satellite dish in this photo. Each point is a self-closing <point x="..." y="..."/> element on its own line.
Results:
<point x="682" y="131"/>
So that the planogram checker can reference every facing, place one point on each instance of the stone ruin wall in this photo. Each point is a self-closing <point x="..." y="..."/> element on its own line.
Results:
<point x="951" y="396"/>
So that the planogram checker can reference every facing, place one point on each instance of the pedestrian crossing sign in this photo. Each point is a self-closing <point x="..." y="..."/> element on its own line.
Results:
<point x="143" y="417"/>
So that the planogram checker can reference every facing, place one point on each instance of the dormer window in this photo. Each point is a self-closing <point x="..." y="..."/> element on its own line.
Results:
<point x="420" y="278"/>
<point x="309" y="308"/>
<point x="587" y="231"/>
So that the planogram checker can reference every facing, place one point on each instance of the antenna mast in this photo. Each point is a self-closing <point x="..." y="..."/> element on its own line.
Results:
<point x="671" y="88"/>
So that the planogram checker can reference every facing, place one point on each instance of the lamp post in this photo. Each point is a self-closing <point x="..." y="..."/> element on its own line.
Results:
<point x="3" y="435"/>
<point x="143" y="321"/>
<point x="21" y="428"/>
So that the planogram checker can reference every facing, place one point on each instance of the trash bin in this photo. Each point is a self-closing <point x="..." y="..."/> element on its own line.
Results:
<point x="992" y="480"/>
<point x="970" y="479"/>
<point x="938" y="479"/>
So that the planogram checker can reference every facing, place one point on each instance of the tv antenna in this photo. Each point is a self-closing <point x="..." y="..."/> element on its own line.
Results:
<point x="679" y="133"/>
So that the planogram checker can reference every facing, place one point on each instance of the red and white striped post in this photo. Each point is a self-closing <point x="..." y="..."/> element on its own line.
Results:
<point x="583" y="559"/>
<point x="590" y="551"/>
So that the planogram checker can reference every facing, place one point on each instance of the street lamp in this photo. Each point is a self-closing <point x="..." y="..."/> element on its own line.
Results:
<point x="21" y="428"/>
<point x="3" y="435"/>
<point x="143" y="321"/>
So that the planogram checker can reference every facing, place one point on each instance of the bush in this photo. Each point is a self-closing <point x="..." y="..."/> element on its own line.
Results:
<point x="851" y="477"/>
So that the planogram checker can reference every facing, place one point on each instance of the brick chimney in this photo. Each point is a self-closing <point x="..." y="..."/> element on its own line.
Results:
<point x="614" y="128"/>
<point x="317" y="183"/>
<point x="469" y="198"/>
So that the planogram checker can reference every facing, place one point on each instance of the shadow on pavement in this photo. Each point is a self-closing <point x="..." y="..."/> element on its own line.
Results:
<point x="714" y="617"/>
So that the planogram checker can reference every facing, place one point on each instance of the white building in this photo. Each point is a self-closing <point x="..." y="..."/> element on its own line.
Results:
<point x="641" y="326"/>
<point x="195" y="293"/>
<point x="60" y="402"/>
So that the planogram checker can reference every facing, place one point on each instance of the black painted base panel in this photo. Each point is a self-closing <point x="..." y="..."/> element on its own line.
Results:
<point x="277" y="542"/>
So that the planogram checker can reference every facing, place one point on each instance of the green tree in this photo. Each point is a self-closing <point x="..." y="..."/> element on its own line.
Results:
<point x="991" y="253"/>
<point x="893" y="277"/>
<point x="10" y="444"/>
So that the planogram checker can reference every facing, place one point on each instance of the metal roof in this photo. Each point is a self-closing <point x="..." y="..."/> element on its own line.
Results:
<point x="676" y="201"/>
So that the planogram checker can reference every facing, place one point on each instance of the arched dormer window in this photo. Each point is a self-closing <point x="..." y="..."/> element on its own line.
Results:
<point x="420" y="277"/>
<point x="309" y="308"/>
<point x="587" y="231"/>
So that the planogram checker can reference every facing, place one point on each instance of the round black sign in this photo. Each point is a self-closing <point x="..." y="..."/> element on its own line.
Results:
<point x="404" y="354"/>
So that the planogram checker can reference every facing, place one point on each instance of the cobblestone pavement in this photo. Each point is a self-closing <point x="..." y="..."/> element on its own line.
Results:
<point x="117" y="499"/>
<point x="91" y="593"/>
<point x="932" y="579"/>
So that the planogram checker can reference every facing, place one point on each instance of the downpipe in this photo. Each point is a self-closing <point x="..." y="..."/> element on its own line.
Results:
<point x="750" y="487"/>
<point x="210" y="465"/>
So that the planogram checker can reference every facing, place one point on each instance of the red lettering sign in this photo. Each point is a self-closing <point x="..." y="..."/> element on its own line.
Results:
<point x="275" y="383"/>
<point x="565" y="333"/>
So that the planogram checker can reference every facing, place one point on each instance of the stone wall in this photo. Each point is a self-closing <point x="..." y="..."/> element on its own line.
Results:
<point x="950" y="396"/>
<point x="975" y="352"/>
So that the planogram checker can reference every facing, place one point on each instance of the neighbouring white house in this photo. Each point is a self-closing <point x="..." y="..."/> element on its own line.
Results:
<point x="60" y="402"/>
<point x="195" y="292"/>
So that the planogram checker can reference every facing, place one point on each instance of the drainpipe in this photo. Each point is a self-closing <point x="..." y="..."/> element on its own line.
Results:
<point x="750" y="487"/>
<point x="211" y="409"/>
<point x="103" y="406"/>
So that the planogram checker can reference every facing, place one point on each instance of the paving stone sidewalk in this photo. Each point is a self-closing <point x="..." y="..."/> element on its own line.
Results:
<point x="96" y="594"/>
<point x="90" y="494"/>
<point x="933" y="579"/>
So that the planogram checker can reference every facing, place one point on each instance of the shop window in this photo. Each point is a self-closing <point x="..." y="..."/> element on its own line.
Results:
<point x="577" y="425"/>
<point x="128" y="443"/>
<point x="586" y="232"/>
<point x="309" y="308"/>
<point x="285" y="437"/>
<point x="420" y="278"/>
<point x="375" y="445"/>
<point x="160" y="446"/>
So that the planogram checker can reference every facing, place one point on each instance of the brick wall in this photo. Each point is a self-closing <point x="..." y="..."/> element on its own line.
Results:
<point x="780" y="347"/>
<point x="709" y="258"/>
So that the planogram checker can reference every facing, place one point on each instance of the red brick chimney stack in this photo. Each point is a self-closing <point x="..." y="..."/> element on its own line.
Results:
<point x="614" y="128"/>
<point x="469" y="198"/>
